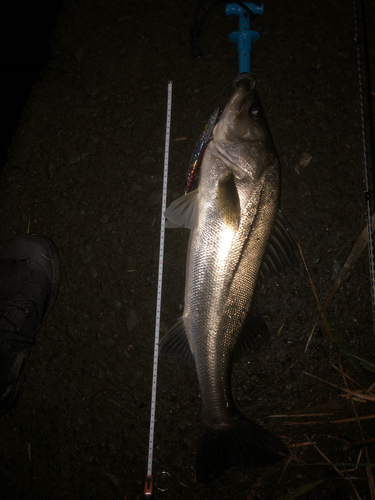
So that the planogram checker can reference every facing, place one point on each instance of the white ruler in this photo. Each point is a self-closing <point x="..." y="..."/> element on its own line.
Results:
<point x="148" y="490"/>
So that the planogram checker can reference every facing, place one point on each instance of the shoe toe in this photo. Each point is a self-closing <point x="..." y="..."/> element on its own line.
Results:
<point x="37" y="248"/>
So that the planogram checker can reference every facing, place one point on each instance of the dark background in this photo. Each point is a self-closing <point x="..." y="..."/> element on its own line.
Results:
<point x="85" y="168"/>
<point x="27" y="28"/>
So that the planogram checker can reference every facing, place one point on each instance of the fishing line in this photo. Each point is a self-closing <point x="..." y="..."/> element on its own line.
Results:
<point x="148" y="488"/>
<point x="364" y="145"/>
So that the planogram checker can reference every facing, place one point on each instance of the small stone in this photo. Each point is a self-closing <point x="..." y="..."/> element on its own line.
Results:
<point x="136" y="187"/>
<point x="132" y="319"/>
<point x="147" y="159"/>
<point x="305" y="159"/>
<point x="84" y="255"/>
<point x="128" y="210"/>
<point x="106" y="343"/>
<point x="93" y="272"/>
<point x="135" y="379"/>
<point x="58" y="356"/>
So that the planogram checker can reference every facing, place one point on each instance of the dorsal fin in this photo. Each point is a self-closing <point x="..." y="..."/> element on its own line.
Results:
<point x="279" y="253"/>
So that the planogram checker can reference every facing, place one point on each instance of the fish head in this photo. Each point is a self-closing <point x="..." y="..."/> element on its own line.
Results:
<point x="242" y="136"/>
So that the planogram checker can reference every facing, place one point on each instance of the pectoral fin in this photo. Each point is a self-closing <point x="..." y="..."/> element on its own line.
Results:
<point x="228" y="201"/>
<point x="183" y="211"/>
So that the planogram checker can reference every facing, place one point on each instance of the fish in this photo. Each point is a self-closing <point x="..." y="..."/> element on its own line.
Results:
<point x="236" y="227"/>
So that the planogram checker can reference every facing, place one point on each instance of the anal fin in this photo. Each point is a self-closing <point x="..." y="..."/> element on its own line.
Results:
<point x="175" y="343"/>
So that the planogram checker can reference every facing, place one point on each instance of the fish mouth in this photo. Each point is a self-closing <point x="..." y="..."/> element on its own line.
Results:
<point x="244" y="96"/>
<point x="241" y="100"/>
<point x="245" y="78"/>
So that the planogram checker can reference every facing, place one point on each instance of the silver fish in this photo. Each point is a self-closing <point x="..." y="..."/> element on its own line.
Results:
<point x="231" y="216"/>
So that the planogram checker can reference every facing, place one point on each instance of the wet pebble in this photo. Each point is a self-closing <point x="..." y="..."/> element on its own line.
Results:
<point x="147" y="159"/>
<point x="133" y="382"/>
<point x="153" y="179"/>
<point x="86" y="254"/>
<point x="136" y="187"/>
<point x="114" y="480"/>
<point x="305" y="159"/>
<point x="132" y="319"/>
<point x="106" y="343"/>
<point x="93" y="272"/>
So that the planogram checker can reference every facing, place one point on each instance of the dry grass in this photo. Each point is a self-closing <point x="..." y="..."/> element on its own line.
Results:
<point x="354" y="394"/>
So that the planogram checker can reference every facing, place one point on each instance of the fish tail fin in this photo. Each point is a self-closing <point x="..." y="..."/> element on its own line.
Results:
<point x="241" y="442"/>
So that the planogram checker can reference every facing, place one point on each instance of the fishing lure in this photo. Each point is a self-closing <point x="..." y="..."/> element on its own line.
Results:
<point x="198" y="153"/>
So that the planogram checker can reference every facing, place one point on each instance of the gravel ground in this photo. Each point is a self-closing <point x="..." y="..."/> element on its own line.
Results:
<point x="85" y="168"/>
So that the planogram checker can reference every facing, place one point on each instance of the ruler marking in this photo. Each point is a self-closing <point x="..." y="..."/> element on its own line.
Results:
<point x="148" y="482"/>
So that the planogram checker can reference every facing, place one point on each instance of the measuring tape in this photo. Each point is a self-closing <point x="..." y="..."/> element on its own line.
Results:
<point x="149" y="482"/>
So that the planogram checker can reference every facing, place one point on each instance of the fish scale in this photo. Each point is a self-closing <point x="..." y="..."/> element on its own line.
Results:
<point x="236" y="302"/>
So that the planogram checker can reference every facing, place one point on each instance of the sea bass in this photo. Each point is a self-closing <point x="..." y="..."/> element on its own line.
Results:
<point x="231" y="215"/>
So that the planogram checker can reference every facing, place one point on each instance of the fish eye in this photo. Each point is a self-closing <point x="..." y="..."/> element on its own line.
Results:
<point x="255" y="112"/>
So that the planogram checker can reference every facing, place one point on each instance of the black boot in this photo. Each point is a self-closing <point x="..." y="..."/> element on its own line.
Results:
<point x="29" y="281"/>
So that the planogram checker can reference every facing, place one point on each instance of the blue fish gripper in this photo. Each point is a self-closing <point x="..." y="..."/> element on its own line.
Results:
<point x="244" y="37"/>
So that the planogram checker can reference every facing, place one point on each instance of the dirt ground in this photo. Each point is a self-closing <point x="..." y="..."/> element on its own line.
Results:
<point x="85" y="168"/>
